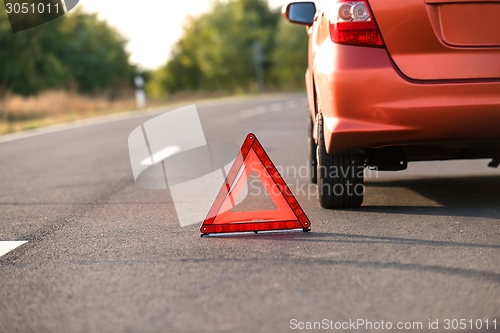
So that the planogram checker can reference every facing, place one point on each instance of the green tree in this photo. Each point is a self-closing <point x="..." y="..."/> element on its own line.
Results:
<point x="75" y="50"/>
<point x="289" y="57"/>
<point x="183" y="71"/>
<point x="93" y="53"/>
<point x="216" y="49"/>
<point x="27" y="61"/>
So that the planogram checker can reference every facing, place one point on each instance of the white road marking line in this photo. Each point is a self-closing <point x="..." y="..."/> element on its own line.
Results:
<point x="276" y="107"/>
<point x="252" y="112"/>
<point x="291" y="104"/>
<point x="115" y="117"/>
<point x="270" y="108"/>
<point x="6" y="247"/>
<point x="108" y="119"/>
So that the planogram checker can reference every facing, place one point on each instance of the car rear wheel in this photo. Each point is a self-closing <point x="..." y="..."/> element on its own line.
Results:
<point x="340" y="176"/>
<point x="313" y="159"/>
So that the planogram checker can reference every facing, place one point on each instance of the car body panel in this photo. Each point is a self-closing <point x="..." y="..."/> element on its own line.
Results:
<point x="409" y="94"/>
<point x="441" y="39"/>
<point x="367" y="102"/>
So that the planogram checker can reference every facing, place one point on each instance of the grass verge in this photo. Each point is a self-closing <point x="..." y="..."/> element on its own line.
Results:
<point x="19" y="113"/>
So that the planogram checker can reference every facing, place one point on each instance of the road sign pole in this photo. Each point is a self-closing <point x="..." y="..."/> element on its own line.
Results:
<point x="140" y="95"/>
<point x="258" y="57"/>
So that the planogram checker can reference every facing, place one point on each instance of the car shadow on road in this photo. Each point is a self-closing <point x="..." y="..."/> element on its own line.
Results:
<point x="342" y="238"/>
<point x="457" y="196"/>
<point x="357" y="238"/>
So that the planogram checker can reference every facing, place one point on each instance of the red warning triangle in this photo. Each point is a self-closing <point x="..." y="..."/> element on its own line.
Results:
<point x="288" y="215"/>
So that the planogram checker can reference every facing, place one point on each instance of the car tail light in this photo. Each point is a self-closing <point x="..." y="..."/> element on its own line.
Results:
<point x="351" y="22"/>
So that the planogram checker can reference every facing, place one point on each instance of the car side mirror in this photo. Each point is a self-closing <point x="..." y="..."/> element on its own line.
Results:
<point x="300" y="12"/>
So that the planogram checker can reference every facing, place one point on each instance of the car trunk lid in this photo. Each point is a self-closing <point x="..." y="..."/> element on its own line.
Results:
<point x="441" y="39"/>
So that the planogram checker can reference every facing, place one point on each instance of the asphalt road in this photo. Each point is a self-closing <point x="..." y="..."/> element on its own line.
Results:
<point x="104" y="255"/>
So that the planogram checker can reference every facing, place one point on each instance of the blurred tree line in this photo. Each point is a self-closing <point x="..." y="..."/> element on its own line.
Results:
<point x="76" y="52"/>
<point x="216" y="51"/>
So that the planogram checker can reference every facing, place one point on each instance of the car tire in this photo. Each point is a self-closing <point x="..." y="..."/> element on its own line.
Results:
<point x="340" y="176"/>
<point x="313" y="158"/>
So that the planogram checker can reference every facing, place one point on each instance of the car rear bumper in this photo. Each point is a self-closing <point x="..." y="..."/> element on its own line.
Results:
<point x="367" y="103"/>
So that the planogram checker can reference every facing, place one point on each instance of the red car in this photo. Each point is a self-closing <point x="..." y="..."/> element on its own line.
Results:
<point x="395" y="81"/>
